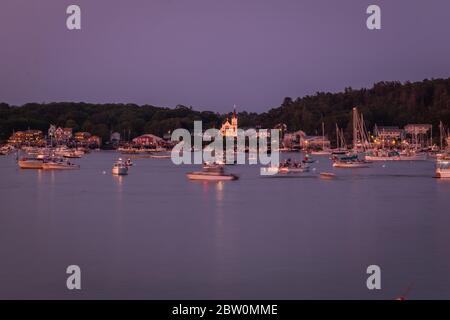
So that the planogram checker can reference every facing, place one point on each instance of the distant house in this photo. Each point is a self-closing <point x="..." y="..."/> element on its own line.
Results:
<point x="82" y="136"/>
<point x="293" y="139"/>
<point x="27" y="136"/>
<point x="94" y="141"/>
<point x="388" y="136"/>
<point x="229" y="129"/>
<point x="148" y="140"/>
<point x="389" y="132"/>
<point x="63" y="135"/>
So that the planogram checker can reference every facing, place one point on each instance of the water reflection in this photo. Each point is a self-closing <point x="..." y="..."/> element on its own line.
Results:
<point x="253" y="238"/>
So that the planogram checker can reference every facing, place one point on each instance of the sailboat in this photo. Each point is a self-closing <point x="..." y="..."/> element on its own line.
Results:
<point x="360" y="143"/>
<point x="323" y="151"/>
<point x="341" y="146"/>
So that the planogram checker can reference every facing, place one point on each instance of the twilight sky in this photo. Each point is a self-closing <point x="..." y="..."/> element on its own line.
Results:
<point x="212" y="54"/>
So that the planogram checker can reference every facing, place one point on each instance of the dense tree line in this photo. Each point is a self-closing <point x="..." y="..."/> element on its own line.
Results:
<point x="386" y="103"/>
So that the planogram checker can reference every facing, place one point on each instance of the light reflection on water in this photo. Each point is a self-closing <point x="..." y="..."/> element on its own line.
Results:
<point x="154" y="234"/>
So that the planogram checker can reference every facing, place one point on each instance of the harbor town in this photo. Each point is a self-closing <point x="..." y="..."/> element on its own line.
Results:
<point x="52" y="150"/>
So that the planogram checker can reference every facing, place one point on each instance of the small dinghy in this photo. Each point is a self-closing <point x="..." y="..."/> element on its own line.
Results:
<point x="351" y="164"/>
<point x="308" y="159"/>
<point x="327" y="175"/>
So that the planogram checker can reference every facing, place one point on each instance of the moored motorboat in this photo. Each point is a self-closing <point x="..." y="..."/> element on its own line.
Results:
<point x="211" y="173"/>
<point x="349" y="161"/>
<point x="443" y="168"/>
<point x="120" y="168"/>
<point x="293" y="169"/>
<point x="321" y="152"/>
<point x="286" y="167"/>
<point x="59" y="164"/>
<point x="31" y="163"/>
<point x="72" y="154"/>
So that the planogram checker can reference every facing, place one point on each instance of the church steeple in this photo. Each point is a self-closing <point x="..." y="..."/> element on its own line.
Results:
<point x="230" y="128"/>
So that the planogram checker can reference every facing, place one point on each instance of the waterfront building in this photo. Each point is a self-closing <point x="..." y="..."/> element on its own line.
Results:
<point x="292" y="140"/>
<point x="229" y="128"/>
<point x="148" y="140"/>
<point x="82" y="137"/>
<point x="33" y="137"/>
<point x="94" y="141"/>
<point x="63" y="135"/>
<point x="387" y="136"/>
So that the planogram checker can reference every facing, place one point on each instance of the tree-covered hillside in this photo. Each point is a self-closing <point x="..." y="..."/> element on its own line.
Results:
<point x="386" y="103"/>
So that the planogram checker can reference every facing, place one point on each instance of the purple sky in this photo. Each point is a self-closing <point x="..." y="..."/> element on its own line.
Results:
<point x="212" y="54"/>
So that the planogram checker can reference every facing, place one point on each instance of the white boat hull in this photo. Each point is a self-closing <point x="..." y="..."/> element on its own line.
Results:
<point x="321" y="153"/>
<point x="210" y="177"/>
<point x="31" y="164"/>
<point x="160" y="156"/>
<point x="293" y="170"/>
<point x="443" y="173"/>
<point x="350" y="165"/>
<point x="414" y="157"/>
<point x="58" y="166"/>
<point x="120" y="171"/>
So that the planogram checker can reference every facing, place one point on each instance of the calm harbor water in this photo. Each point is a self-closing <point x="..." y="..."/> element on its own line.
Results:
<point x="155" y="235"/>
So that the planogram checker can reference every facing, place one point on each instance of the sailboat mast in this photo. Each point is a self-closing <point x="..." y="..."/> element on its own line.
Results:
<point x="355" y="128"/>
<point x="323" y="136"/>
<point x="337" y="137"/>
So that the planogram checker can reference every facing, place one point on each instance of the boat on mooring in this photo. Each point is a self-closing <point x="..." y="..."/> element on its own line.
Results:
<point x="443" y="168"/>
<point x="308" y="159"/>
<point x="120" y="168"/>
<point x="351" y="161"/>
<point x="211" y="172"/>
<point x="351" y="164"/>
<point x="327" y="175"/>
<point x="72" y="154"/>
<point x="59" y="164"/>
<point x="128" y="162"/>
<point x="287" y="167"/>
<point x="31" y="163"/>
<point x="393" y="155"/>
